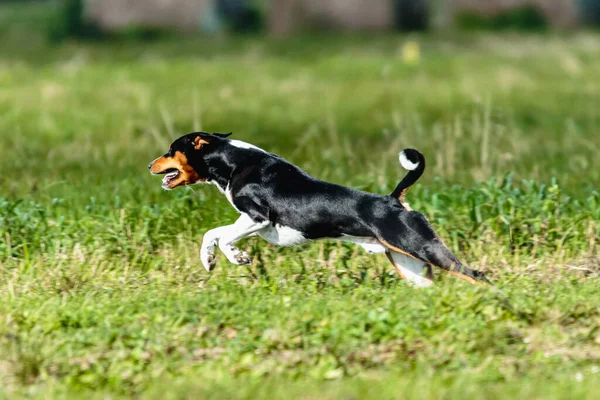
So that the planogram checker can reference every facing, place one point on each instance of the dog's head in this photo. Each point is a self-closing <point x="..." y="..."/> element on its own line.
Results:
<point x="182" y="164"/>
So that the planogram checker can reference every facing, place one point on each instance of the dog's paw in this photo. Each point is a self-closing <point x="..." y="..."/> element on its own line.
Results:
<point x="235" y="255"/>
<point x="208" y="260"/>
<point x="243" y="258"/>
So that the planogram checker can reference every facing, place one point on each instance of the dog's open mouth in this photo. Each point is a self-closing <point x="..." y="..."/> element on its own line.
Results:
<point x="171" y="175"/>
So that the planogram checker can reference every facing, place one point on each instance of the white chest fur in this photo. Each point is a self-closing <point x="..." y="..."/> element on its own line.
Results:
<point x="282" y="235"/>
<point x="226" y="192"/>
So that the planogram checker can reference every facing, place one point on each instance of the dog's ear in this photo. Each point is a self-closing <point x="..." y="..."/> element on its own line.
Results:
<point x="223" y="135"/>
<point x="198" y="142"/>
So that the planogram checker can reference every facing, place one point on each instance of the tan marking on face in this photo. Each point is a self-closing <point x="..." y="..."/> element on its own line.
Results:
<point x="199" y="142"/>
<point x="187" y="174"/>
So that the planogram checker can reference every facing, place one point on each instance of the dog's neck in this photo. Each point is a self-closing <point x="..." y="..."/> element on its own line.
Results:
<point x="222" y="164"/>
<point x="219" y="170"/>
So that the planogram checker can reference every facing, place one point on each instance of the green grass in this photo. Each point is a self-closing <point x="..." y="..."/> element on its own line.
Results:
<point x="101" y="289"/>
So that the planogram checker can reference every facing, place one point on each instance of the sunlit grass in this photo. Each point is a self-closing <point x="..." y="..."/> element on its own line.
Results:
<point x="101" y="288"/>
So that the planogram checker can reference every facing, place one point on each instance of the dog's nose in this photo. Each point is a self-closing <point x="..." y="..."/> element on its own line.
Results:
<point x="149" y="165"/>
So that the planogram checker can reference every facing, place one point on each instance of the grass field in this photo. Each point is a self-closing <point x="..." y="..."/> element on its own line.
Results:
<point x="101" y="288"/>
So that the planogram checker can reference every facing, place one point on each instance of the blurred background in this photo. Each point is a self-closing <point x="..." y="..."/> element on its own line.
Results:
<point x="105" y="18"/>
<point x="482" y="83"/>
<point x="477" y="85"/>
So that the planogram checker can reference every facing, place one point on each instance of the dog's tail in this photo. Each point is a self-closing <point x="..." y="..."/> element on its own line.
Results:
<point x="414" y="162"/>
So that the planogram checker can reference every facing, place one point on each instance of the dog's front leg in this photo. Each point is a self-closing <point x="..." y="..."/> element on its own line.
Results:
<point x="243" y="227"/>
<point x="209" y="241"/>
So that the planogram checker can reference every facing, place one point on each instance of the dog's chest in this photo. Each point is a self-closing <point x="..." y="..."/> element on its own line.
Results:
<point x="282" y="235"/>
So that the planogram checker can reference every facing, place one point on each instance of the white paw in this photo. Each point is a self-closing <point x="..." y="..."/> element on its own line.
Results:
<point x="208" y="259"/>
<point x="235" y="255"/>
<point x="243" y="258"/>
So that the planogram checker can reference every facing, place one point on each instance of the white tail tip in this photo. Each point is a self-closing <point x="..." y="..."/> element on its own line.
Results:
<point x="406" y="163"/>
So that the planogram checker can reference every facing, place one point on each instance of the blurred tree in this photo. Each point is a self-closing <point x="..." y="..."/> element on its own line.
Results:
<point x="71" y="22"/>
<point x="240" y="15"/>
<point x="526" y="18"/>
<point x="412" y="15"/>
<point x="590" y="11"/>
<point x="519" y="14"/>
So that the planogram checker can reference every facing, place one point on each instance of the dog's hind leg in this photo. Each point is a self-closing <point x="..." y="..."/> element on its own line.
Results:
<point x="414" y="237"/>
<point x="443" y="258"/>
<point x="436" y="254"/>
<point x="416" y="272"/>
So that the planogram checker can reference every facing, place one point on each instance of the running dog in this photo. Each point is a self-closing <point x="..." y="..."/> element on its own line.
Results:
<point x="285" y="206"/>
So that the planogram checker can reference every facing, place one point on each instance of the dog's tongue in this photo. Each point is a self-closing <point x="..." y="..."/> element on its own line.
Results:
<point x="169" y="177"/>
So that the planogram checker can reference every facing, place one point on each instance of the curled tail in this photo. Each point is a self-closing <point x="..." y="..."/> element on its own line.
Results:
<point x="414" y="162"/>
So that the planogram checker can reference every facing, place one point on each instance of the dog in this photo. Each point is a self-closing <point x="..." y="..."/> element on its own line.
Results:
<point x="286" y="206"/>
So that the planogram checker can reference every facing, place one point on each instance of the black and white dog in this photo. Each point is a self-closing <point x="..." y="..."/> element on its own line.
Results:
<point x="285" y="206"/>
